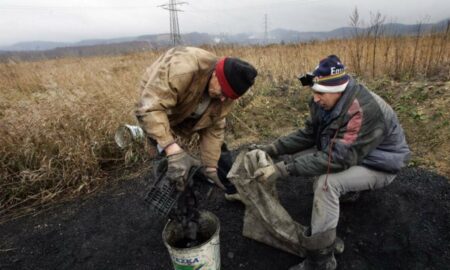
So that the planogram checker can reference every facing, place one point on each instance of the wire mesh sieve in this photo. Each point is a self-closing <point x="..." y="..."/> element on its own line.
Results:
<point x="163" y="196"/>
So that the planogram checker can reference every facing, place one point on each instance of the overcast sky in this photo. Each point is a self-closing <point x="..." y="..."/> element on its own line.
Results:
<point x="75" y="20"/>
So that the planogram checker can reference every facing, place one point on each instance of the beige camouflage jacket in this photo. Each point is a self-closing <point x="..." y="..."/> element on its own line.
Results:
<point x="171" y="89"/>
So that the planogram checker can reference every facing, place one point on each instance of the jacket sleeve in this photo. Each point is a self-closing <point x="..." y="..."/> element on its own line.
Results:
<point x="159" y="94"/>
<point x="211" y="140"/>
<point x="299" y="140"/>
<point x="356" y="138"/>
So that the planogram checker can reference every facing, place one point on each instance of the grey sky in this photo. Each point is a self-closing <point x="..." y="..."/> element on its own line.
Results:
<point x="74" y="20"/>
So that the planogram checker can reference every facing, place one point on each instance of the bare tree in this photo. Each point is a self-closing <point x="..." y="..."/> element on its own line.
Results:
<point x="431" y="52"/>
<point x="376" y="26"/>
<point x="399" y="54"/>
<point x="355" y="23"/>
<point x="444" y="41"/>
<point x="416" y="47"/>
<point x="388" y="42"/>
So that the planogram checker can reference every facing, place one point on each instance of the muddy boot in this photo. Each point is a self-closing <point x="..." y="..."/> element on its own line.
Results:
<point x="319" y="251"/>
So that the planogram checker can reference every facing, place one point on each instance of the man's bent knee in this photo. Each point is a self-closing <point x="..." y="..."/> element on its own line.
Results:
<point x="325" y="184"/>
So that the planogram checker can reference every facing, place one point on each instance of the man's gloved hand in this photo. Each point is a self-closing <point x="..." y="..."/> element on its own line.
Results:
<point x="213" y="177"/>
<point x="272" y="172"/>
<point x="178" y="168"/>
<point x="270" y="149"/>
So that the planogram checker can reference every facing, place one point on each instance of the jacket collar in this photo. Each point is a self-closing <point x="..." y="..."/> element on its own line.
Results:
<point x="343" y="103"/>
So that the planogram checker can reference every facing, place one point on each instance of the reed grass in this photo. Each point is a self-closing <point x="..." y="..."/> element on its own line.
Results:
<point x="58" y="117"/>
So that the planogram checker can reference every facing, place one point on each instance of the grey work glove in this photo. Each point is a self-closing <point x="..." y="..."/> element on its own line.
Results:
<point x="272" y="172"/>
<point x="270" y="149"/>
<point x="178" y="168"/>
<point x="214" y="177"/>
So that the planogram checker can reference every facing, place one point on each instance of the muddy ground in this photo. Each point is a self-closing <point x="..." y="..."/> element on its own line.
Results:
<point x="403" y="226"/>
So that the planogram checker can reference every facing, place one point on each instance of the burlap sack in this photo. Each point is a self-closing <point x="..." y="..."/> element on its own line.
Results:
<point x="265" y="219"/>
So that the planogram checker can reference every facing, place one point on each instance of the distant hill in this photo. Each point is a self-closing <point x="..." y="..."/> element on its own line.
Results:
<point x="279" y="35"/>
<point x="35" y="46"/>
<point x="77" y="51"/>
<point x="42" y="49"/>
<point x="157" y="40"/>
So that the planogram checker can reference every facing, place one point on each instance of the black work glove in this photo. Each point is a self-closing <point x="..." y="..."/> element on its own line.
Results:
<point x="178" y="168"/>
<point x="270" y="149"/>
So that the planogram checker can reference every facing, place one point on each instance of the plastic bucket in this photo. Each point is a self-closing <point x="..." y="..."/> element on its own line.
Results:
<point x="205" y="256"/>
<point x="127" y="134"/>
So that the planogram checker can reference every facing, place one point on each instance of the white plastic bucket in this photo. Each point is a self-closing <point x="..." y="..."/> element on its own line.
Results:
<point x="127" y="134"/>
<point x="205" y="256"/>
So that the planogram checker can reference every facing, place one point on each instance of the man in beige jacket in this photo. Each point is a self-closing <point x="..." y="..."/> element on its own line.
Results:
<point x="188" y="90"/>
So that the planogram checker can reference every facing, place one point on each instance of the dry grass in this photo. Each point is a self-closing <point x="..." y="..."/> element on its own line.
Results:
<point x="58" y="117"/>
<point x="57" y="123"/>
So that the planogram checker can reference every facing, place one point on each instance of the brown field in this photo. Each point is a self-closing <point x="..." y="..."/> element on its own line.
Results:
<point x="58" y="117"/>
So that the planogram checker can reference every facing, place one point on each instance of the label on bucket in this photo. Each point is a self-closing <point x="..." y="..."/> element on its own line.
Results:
<point x="188" y="264"/>
<point x="200" y="262"/>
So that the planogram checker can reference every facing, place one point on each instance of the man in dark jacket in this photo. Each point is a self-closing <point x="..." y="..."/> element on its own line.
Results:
<point x="353" y="142"/>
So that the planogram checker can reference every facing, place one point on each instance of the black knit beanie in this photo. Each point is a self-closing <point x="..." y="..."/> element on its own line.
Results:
<point x="235" y="76"/>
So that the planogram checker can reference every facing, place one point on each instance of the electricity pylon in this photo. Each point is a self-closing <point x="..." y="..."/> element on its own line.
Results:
<point x="174" y="26"/>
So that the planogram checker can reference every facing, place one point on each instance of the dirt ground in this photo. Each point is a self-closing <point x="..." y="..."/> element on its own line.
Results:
<point x="403" y="226"/>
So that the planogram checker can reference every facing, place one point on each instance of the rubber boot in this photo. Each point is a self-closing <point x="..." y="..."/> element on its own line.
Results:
<point x="319" y="251"/>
